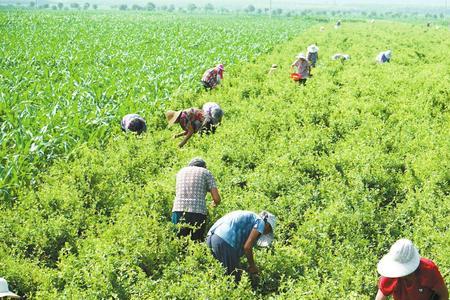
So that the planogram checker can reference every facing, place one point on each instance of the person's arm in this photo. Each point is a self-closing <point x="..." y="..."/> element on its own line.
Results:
<point x="179" y="134"/>
<point x="248" y="249"/>
<point x="187" y="136"/>
<point x="294" y="64"/>
<point x="380" y="295"/>
<point x="215" y="197"/>
<point x="442" y="292"/>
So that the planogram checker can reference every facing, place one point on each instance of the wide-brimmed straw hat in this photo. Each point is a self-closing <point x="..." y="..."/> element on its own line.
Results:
<point x="402" y="259"/>
<point x="313" y="48"/>
<point x="301" y="56"/>
<point x="4" y="290"/>
<point x="172" y="116"/>
<point x="266" y="239"/>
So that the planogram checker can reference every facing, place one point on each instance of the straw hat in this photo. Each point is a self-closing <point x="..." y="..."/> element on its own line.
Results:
<point x="4" y="290"/>
<point x="313" y="48"/>
<point x="402" y="259"/>
<point x="172" y="116"/>
<point x="266" y="239"/>
<point x="301" y="56"/>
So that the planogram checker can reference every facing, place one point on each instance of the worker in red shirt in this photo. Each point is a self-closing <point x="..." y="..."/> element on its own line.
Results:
<point x="407" y="276"/>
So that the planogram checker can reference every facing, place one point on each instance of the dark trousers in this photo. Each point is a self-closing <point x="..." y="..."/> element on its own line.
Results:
<point x="226" y="254"/>
<point x="195" y="224"/>
<point x="206" y="85"/>
<point x="208" y="128"/>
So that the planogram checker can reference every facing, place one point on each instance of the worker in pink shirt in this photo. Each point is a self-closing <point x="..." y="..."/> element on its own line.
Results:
<point x="212" y="77"/>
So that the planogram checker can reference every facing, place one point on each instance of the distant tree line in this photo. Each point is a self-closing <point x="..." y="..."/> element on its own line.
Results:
<point x="60" y="5"/>
<point x="249" y="9"/>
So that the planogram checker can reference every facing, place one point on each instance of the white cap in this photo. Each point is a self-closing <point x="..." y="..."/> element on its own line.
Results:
<point x="402" y="259"/>
<point x="4" y="289"/>
<point x="388" y="53"/>
<point x="301" y="55"/>
<point x="313" y="48"/>
<point x="266" y="239"/>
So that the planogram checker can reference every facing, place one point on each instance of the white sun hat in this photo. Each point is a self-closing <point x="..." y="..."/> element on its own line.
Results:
<point x="388" y="53"/>
<point x="4" y="289"/>
<point x="301" y="55"/>
<point x="402" y="259"/>
<point x="313" y="48"/>
<point x="266" y="239"/>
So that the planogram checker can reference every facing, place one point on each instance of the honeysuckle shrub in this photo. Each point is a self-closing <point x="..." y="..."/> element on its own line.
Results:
<point x="69" y="77"/>
<point x="349" y="163"/>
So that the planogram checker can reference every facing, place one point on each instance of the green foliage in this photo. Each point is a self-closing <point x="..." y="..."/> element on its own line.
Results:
<point x="350" y="162"/>
<point x="83" y="72"/>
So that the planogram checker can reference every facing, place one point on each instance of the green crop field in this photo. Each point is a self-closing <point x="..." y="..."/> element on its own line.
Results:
<point x="66" y="77"/>
<point x="349" y="163"/>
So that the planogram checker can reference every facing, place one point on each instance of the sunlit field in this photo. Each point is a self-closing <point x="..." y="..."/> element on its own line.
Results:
<point x="67" y="77"/>
<point x="352" y="161"/>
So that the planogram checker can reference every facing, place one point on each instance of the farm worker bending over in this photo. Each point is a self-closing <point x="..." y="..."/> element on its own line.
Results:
<point x="303" y="68"/>
<point x="4" y="290"/>
<point x="235" y="234"/>
<point x="407" y="276"/>
<point x="273" y="69"/>
<point x="190" y="120"/>
<point x="133" y="123"/>
<point x="212" y="77"/>
<point x="312" y="55"/>
<point x="340" y="56"/>
<point x="385" y="56"/>
<point x="189" y="207"/>
<point x="213" y="114"/>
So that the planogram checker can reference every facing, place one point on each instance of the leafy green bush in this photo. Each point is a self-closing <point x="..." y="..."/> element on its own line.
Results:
<point x="350" y="162"/>
<point x="69" y="77"/>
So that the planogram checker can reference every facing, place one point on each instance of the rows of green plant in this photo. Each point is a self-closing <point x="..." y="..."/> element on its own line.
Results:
<point x="68" y="77"/>
<point x="354" y="160"/>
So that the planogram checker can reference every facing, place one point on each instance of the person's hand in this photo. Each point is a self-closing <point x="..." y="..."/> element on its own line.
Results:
<point x="253" y="269"/>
